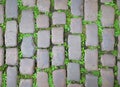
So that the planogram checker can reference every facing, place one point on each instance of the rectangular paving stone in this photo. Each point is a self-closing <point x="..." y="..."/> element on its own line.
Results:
<point x="91" y="59"/>
<point x="108" y="39"/>
<point x="75" y="85"/>
<point x="29" y="3"/>
<point x="44" y="42"/>
<point x="42" y="79"/>
<point x="12" y="56"/>
<point x="26" y="83"/>
<point x="76" y="25"/>
<point x="107" y="78"/>
<point x="1" y="14"/>
<point x="42" y="58"/>
<point x="11" y="9"/>
<point x="108" y="13"/>
<point x="1" y="37"/>
<point x="118" y="76"/>
<point x="27" y="22"/>
<point x="57" y="35"/>
<point x="104" y="1"/>
<point x="91" y="35"/>
<point x="58" y="18"/>
<point x="118" y="47"/>
<point x="12" y="76"/>
<point x="73" y="72"/>
<point x="11" y="34"/>
<point x="1" y="79"/>
<point x="58" y="55"/>
<point x="1" y="56"/>
<point x="91" y="81"/>
<point x="91" y="10"/>
<point x="43" y="5"/>
<point x="59" y="78"/>
<point x="26" y="66"/>
<point x="74" y="44"/>
<point x="108" y="60"/>
<point x="77" y="7"/>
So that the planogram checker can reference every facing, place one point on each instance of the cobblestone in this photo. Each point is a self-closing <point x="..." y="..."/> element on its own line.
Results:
<point x="118" y="47"/>
<point x="43" y="58"/>
<point x="1" y="79"/>
<point x="74" y="43"/>
<point x="25" y="83"/>
<point x="1" y="56"/>
<point x="1" y="14"/>
<point x="104" y="1"/>
<point x="73" y="72"/>
<point x="75" y="85"/>
<point x="118" y="76"/>
<point x="118" y="4"/>
<point x="91" y="59"/>
<point x="29" y="3"/>
<point x="1" y="37"/>
<point x="59" y="78"/>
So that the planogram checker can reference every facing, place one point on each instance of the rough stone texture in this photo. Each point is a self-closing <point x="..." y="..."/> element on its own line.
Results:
<point x="118" y="47"/>
<point x="91" y="59"/>
<point x="25" y="83"/>
<point x="91" y="81"/>
<point x="60" y="4"/>
<point x="73" y="72"/>
<point x="107" y="78"/>
<point x="108" y="39"/>
<point x="59" y="78"/>
<point x="42" y="58"/>
<point x="107" y="16"/>
<point x="1" y="14"/>
<point x="1" y="37"/>
<point x="0" y="78"/>
<point x="77" y="7"/>
<point x="58" y="55"/>
<point x="76" y="25"/>
<point x="11" y="77"/>
<point x="57" y="35"/>
<point x="91" y="10"/>
<point x="11" y="9"/>
<point x="118" y="3"/>
<point x="42" y="21"/>
<point x="27" y="66"/>
<point x="27" y="47"/>
<point x="12" y="56"/>
<point x="42" y="79"/>
<point x="43" y="42"/>
<point x="11" y="34"/>
<point x="91" y="35"/>
<point x="58" y="18"/>
<point x="75" y="85"/>
<point x="118" y="76"/>
<point x="74" y="43"/>
<point x="43" y="5"/>
<point x="1" y="56"/>
<point x="104" y="1"/>
<point x="108" y="60"/>
<point x="29" y="3"/>
<point x="27" y="22"/>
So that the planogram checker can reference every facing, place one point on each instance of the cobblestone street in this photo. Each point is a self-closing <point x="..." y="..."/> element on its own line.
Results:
<point x="59" y="43"/>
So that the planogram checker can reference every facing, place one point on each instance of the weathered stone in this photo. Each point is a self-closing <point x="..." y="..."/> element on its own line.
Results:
<point x="77" y="7"/>
<point x="12" y="56"/>
<point x="29" y="3"/>
<point x="1" y="78"/>
<point x="74" y="43"/>
<point x="91" y="35"/>
<point x="108" y="39"/>
<point x="42" y="58"/>
<point x="60" y="4"/>
<point x="91" y="81"/>
<point x="58" y="18"/>
<point x="27" y="47"/>
<point x="108" y="60"/>
<point x="42" y="21"/>
<point x="73" y="72"/>
<point x="11" y="77"/>
<point x="58" y="55"/>
<point x="118" y="4"/>
<point x="59" y="78"/>
<point x="1" y="14"/>
<point x="44" y="42"/>
<point x="91" y="59"/>
<point x="104" y="1"/>
<point x="118" y="47"/>
<point x="26" y="83"/>
<point x="27" y="22"/>
<point x="75" y="85"/>
<point x="1" y="56"/>
<point x="11" y="9"/>
<point x="1" y="37"/>
<point x="27" y="66"/>
<point x="11" y="34"/>
<point x="91" y="10"/>
<point x="107" y="78"/>
<point x="107" y="16"/>
<point x="43" y="5"/>
<point x="118" y="76"/>
<point x="42" y="79"/>
<point x="57" y="35"/>
<point x="76" y="25"/>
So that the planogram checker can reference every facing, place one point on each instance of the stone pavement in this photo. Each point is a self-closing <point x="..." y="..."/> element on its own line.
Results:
<point x="59" y="43"/>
